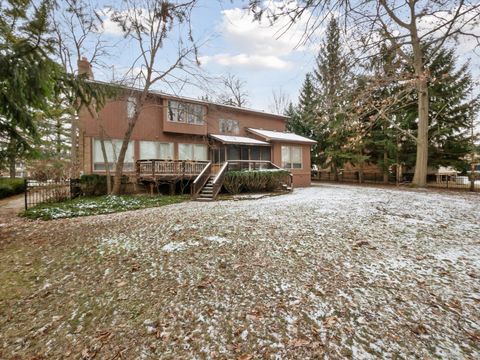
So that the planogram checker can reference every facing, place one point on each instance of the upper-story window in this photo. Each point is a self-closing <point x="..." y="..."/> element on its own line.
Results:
<point x="229" y="126"/>
<point x="186" y="113"/>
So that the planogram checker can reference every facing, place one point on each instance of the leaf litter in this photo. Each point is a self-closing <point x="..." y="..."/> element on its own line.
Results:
<point x="329" y="271"/>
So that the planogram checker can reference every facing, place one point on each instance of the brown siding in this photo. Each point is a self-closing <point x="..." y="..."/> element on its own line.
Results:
<point x="152" y="126"/>
<point x="301" y="177"/>
<point x="246" y="120"/>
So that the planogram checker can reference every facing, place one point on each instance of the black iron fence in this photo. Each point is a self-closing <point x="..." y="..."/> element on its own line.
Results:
<point x="39" y="192"/>
<point x="453" y="182"/>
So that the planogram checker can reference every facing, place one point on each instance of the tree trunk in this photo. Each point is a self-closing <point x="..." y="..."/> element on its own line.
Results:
<point x="421" y="83"/>
<point x="421" y="163"/>
<point x="105" y="161"/>
<point x="117" y="180"/>
<point x="74" y="173"/>
<point x="12" y="158"/>
<point x="472" y="176"/>
<point x="11" y="165"/>
<point x="385" y="167"/>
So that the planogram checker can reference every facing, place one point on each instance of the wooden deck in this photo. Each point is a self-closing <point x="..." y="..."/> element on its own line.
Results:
<point x="168" y="170"/>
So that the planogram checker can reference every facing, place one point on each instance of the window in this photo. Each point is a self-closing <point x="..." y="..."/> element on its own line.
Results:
<point x="156" y="150"/>
<point x="192" y="152"/>
<point x="228" y="126"/>
<point x="260" y="153"/>
<point x="112" y="148"/>
<point x="186" y="113"/>
<point x="292" y="157"/>
<point x="131" y="107"/>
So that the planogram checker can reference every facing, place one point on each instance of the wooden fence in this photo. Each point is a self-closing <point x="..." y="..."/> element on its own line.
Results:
<point x="452" y="182"/>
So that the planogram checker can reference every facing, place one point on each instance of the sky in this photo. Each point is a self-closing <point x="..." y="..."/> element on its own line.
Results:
<point x="232" y="42"/>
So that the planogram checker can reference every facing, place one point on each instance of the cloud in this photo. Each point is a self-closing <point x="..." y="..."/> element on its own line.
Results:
<point x="252" y="61"/>
<point x="109" y="27"/>
<point x="465" y="41"/>
<point x="259" y="44"/>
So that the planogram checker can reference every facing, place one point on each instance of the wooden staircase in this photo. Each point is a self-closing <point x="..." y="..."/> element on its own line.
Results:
<point x="206" y="194"/>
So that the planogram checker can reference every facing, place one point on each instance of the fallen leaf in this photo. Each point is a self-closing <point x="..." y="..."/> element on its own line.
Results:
<point x="299" y="342"/>
<point x="329" y="321"/>
<point x="245" y="357"/>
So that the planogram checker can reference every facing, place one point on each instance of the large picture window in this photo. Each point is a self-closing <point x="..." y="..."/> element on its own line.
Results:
<point x="156" y="150"/>
<point x="112" y="148"/>
<point x="186" y="113"/>
<point x="197" y="152"/>
<point x="292" y="157"/>
<point x="229" y="126"/>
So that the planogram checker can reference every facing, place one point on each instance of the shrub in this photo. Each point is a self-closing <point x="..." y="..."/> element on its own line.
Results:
<point x="9" y="187"/>
<point x="95" y="184"/>
<point x="253" y="181"/>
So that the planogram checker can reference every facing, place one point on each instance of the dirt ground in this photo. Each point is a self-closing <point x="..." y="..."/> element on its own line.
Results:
<point x="331" y="271"/>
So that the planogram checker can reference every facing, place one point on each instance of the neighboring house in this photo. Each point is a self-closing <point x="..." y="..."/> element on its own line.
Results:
<point x="181" y="132"/>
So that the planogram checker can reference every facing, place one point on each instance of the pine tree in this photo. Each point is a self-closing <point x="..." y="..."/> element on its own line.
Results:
<point x="332" y="78"/>
<point x="303" y="119"/>
<point x="451" y="110"/>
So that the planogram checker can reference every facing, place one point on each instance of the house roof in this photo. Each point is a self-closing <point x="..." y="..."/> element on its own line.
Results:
<point x="192" y="100"/>
<point x="270" y="135"/>
<point x="239" y="140"/>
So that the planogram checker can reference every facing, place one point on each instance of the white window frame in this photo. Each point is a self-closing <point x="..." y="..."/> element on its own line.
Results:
<point x="113" y="146"/>
<point x="288" y="163"/>
<point x="185" y="113"/>
<point x="158" y="150"/>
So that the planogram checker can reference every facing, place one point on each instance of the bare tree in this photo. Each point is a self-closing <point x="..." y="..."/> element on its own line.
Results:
<point x="280" y="101"/>
<point x="233" y="92"/>
<point x="77" y="28"/>
<point x="408" y="24"/>
<point x="148" y="24"/>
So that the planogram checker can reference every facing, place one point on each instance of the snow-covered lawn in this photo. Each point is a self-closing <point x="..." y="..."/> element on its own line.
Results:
<point x="329" y="271"/>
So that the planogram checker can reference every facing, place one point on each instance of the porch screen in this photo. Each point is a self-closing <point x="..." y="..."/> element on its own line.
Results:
<point x="260" y="153"/>
<point x="112" y="148"/>
<point x="291" y="157"/>
<point x="156" y="150"/>
<point x="192" y="152"/>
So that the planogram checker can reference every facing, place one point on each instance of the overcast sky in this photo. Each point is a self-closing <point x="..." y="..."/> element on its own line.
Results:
<point x="233" y="43"/>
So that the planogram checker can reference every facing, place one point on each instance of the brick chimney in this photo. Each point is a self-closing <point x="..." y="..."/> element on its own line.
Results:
<point x="84" y="67"/>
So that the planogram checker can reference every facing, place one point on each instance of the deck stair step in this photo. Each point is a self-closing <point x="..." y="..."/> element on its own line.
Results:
<point x="206" y="194"/>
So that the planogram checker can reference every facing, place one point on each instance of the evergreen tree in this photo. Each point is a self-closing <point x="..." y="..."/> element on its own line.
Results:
<point x="31" y="81"/>
<point x="332" y="80"/>
<point x="303" y="118"/>
<point x="451" y="111"/>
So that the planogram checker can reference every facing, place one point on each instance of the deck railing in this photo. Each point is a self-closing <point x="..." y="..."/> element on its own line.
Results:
<point x="218" y="181"/>
<point x="154" y="168"/>
<point x="201" y="179"/>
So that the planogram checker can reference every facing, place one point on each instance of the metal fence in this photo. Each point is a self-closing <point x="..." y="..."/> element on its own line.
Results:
<point x="452" y="182"/>
<point x="39" y="192"/>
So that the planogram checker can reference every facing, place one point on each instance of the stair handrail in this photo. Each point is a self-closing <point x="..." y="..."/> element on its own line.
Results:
<point x="290" y="175"/>
<point x="218" y="181"/>
<point x="201" y="179"/>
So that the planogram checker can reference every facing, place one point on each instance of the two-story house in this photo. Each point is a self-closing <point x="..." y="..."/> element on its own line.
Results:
<point x="175" y="131"/>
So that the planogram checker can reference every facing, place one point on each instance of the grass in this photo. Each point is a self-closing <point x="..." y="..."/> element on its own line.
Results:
<point x="85" y="206"/>
<point x="10" y="187"/>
